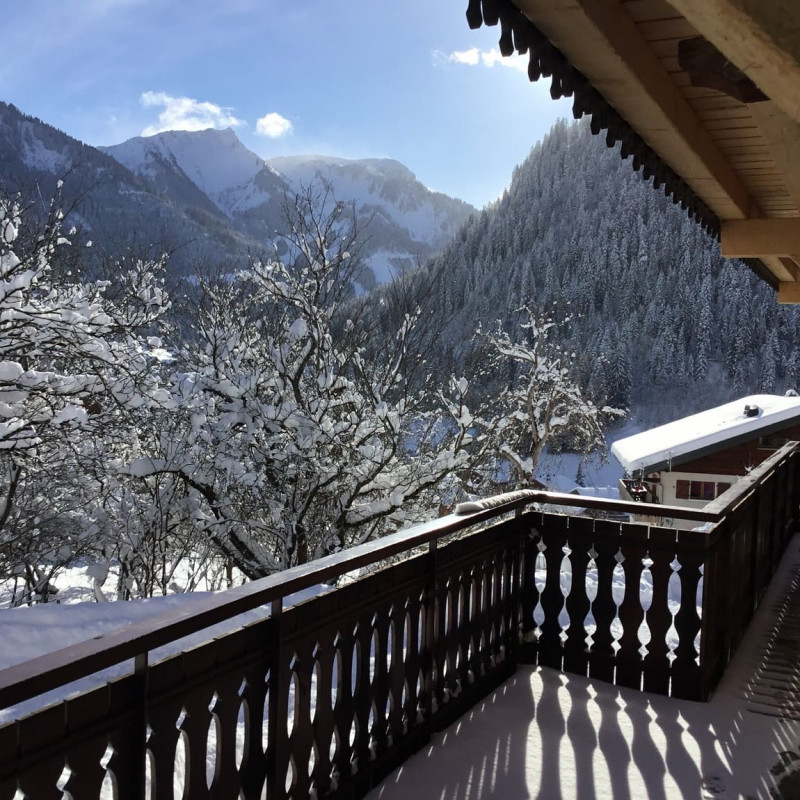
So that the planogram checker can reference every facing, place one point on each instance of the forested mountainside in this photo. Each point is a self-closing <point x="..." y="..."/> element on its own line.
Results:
<point x="661" y="323"/>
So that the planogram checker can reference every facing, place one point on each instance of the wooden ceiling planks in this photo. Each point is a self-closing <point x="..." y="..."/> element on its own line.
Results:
<point x="730" y="123"/>
<point x="649" y="10"/>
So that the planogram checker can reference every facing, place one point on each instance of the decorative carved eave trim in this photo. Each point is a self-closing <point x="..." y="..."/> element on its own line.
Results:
<point x="518" y="33"/>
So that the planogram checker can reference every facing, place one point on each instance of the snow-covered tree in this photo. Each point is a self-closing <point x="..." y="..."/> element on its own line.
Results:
<point x="72" y="365"/>
<point x="543" y="404"/>
<point x="300" y="433"/>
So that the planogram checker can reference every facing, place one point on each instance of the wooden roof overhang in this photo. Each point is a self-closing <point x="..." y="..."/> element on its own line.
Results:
<point x="703" y="94"/>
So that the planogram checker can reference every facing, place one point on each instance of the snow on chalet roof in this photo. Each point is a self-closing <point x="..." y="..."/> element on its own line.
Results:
<point x="704" y="432"/>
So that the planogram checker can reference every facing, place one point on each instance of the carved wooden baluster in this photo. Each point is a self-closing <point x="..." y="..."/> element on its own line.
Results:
<point x="484" y="631"/>
<point x="510" y="603"/>
<point x="741" y="522"/>
<point x="380" y="683"/>
<point x="397" y="671"/>
<point x="81" y="712"/>
<point x="413" y="658"/>
<point x="344" y="710"/>
<point x="449" y="674"/>
<point x="280" y="677"/>
<point x="554" y="533"/>
<point x="685" y="671"/>
<point x="226" y="710"/>
<point x="86" y="772"/>
<point x="164" y="711"/>
<point x="713" y="654"/>
<point x="455" y="634"/>
<point x="604" y="609"/>
<point x="576" y="654"/>
<point x="301" y="740"/>
<point x="464" y="625"/>
<point x="661" y="549"/>
<point x="196" y="725"/>
<point x="363" y="694"/>
<point x="746" y="560"/>
<point x="439" y="643"/>
<point x="253" y="769"/>
<point x="42" y="782"/>
<point x="323" y="718"/>
<point x="36" y="733"/>
<point x="475" y="621"/>
<point x="782" y="514"/>
<point x="529" y="593"/>
<point x="631" y="614"/>
<point x="248" y="693"/>
<point x="493" y="614"/>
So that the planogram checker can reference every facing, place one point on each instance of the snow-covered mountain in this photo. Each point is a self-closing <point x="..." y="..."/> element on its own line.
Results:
<point x="122" y="213"/>
<point x="206" y="198"/>
<point x="403" y="220"/>
<point x="214" y="162"/>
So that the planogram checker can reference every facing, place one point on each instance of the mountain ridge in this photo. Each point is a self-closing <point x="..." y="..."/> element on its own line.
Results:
<point x="210" y="200"/>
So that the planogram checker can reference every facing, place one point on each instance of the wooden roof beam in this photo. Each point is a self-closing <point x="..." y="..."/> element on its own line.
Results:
<point x="789" y="292"/>
<point x="783" y="135"/>
<point x="762" y="37"/>
<point x="603" y="42"/>
<point x="753" y="238"/>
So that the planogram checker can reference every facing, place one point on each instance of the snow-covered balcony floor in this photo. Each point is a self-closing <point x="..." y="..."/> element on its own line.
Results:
<point x="551" y="735"/>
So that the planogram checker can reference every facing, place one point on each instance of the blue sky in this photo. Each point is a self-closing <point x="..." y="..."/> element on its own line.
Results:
<point x="363" y="78"/>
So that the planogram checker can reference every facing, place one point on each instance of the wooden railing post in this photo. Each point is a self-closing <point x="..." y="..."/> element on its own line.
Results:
<point x="429" y="636"/>
<point x="685" y="670"/>
<point x="139" y="757"/>
<point x="516" y="589"/>
<point x="277" y="756"/>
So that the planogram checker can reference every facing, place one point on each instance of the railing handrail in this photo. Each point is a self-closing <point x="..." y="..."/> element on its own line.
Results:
<point x="36" y="676"/>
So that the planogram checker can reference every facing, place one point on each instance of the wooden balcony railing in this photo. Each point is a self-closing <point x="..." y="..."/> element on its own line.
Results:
<point x="327" y="697"/>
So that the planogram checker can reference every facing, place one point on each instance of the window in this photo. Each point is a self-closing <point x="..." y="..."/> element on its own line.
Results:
<point x="699" y="490"/>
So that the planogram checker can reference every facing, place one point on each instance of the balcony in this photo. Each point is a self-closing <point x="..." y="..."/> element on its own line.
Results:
<point x="328" y="697"/>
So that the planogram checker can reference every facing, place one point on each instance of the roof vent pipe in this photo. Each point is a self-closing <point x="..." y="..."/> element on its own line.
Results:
<point x="751" y="411"/>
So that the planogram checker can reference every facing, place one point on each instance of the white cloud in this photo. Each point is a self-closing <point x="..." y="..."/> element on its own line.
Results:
<point x="186" y="114"/>
<point x="273" y="125"/>
<point x="473" y="57"/>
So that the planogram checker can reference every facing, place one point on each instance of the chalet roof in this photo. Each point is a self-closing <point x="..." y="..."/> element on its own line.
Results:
<point x="703" y="94"/>
<point x="707" y="432"/>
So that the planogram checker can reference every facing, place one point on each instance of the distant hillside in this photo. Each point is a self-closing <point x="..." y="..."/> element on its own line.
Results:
<point x="660" y="322"/>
